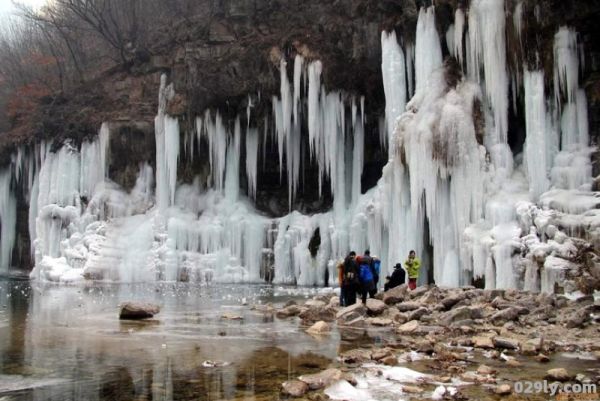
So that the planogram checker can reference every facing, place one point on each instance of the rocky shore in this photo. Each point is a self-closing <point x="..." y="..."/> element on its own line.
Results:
<point x="440" y="343"/>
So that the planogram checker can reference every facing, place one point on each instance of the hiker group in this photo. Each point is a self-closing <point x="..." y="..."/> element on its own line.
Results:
<point x="360" y="275"/>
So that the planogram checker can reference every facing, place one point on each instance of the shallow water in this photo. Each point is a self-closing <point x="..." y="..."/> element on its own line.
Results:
<point x="67" y="343"/>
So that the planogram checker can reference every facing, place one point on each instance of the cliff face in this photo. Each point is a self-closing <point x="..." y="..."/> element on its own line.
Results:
<point x="227" y="58"/>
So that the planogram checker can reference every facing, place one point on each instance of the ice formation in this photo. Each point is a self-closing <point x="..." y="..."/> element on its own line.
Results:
<point x="451" y="190"/>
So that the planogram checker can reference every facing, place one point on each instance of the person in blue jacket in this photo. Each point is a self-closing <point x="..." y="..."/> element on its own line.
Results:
<point x="366" y="277"/>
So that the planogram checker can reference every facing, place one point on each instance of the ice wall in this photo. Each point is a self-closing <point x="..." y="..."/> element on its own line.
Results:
<point x="451" y="184"/>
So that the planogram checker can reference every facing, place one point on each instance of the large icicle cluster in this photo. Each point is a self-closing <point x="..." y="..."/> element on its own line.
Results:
<point x="450" y="185"/>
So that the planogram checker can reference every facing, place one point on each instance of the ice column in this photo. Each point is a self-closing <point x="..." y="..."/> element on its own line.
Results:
<point x="166" y="130"/>
<point x="535" y="121"/>
<point x="428" y="52"/>
<point x="394" y="80"/>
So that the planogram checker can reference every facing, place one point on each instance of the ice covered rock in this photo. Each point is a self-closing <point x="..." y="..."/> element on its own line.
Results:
<point x="322" y="379"/>
<point x="319" y="328"/>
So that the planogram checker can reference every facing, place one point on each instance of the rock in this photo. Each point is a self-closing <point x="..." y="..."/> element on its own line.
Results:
<point x="356" y="355"/>
<point x="231" y="316"/>
<point x="409" y="327"/>
<point x="378" y="321"/>
<point x="503" y="389"/>
<point x="315" y="314"/>
<point x="412" y="389"/>
<point x="408" y="306"/>
<point x="322" y="379"/>
<point x="289" y="311"/>
<point x="375" y="306"/>
<point x="395" y="295"/>
<point x="454" y="315"/>
<point x="505" y="315"/>
<point x="558" y="374"/>
<point x="485" y="370"/>
<point x="532" y="346"/>
<point x="137" y="310"/>
<point x="314" y="303"/>
<point x="290" y="303"/>
<point x="541" y="358"/>
<point x="483" y="342"/>
<point x="513" y="363"/>
<point x="390" y="360"/>
<point x="418" y="314"/>
<point x="320" y="327"/>
<point x="381" y="353"/>
<point x="505" y="342"/>
<point x="580" y="316"/>
<point x="450" y="301"/>
<point x="419" y="291"/>
<point x="295" y="388"/>
<point x="358" y="322"/>
<point x="358" y="308"/>
<point x="334" y="301"/>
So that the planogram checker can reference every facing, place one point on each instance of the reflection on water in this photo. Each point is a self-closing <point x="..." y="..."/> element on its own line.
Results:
<point x="66" y="343"/>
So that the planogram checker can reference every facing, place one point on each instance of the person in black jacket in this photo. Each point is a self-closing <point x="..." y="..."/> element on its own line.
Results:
<point x="397" y="278"/>
<point x="350" y="281"/>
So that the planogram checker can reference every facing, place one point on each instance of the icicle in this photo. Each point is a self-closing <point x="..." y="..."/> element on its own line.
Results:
<point x="566" y="65"/>
<point x="232" y="180"/>
<point x="252" y="160"/>
<point x="357" y="152"/>
<point x="487" y="43"/>
<point x="167" y="149"/>
<point x="394" y="81"/>
<point x="535" y="147"/>
<point x="216" y="136"/>
<point x="298" y="69"/>
<point x="518" y="20"/>
<point x="314" y="119"/>
<point x="428" y="53"/>
<point x="459" y="27"/>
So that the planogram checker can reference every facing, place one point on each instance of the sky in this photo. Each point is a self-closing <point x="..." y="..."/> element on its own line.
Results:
<point x="7" y="7"/>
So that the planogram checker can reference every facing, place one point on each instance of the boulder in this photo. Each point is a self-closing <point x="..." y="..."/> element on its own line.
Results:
<point x="395" y="295"/>
<point x="408" y="328"/>
<point x="358" y="308"/>
<point x="289" y="311"/>
<point x="579" y="317"/>
<point x="504" y="315"/>
<point x="483" y="342"/>
<point x="315" y="303"/>
<point x="455" y="315"/>
<point x="295" y="388"/>
<point x="408" y="306"/>
<point x="532" y="346"/>
<point x="558" y="374"/>
<point x="452" y="300"/>
<point x="315" y="314"/>
<point x="503" y="389"/>
<point x="505" y="342"/>
<point x="137" y="310"/>
<point x="381" y="353"/>
<point x="375" y="306"/>
<point x="418" y="314"/>
<point x="485" y="370"/>
<point x="322" y="379"/>
<point x="320" y="327"/>
<point x="357" y="322"/>
<point x="379" y="321"/>
<point x="356" y="355"/>
<point x="390" y="360"/>
<point x="231" y="316"/>
<point x="541" y="358"/>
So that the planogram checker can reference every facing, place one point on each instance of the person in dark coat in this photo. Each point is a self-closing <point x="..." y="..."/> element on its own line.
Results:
<point x="350" y="279"/>
<point x="397" y="278"/>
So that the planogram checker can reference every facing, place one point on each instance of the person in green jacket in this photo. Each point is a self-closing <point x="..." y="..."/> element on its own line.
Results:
<point x="413" y="264"/>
